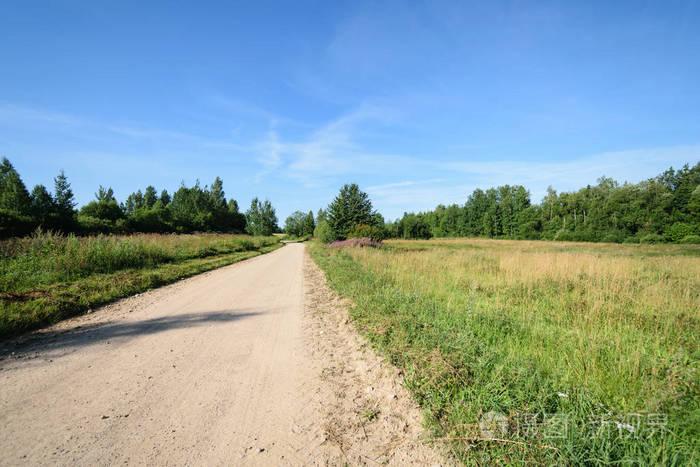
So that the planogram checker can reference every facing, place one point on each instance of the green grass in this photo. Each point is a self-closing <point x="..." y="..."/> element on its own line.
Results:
<point x="47" y="277"/>
<point x="595" y="336"/>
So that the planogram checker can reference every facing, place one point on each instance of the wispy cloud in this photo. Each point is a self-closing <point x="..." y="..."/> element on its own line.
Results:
<point x="14" y="115"/>
<point x="330" y="150"/>
<point x="10" y="113"/>
<point x="247" y="111"/>
<point x="407" y="183"/>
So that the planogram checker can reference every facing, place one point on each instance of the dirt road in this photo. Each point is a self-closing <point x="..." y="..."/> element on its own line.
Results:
<point x="235" y="366"/>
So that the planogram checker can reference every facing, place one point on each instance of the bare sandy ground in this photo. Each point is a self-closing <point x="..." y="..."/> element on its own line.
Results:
<point x="251" y="364"/>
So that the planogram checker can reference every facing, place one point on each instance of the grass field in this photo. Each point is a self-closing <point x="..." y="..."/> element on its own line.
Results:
<point x="542" y="352"/>
<point x="47" y="277"/>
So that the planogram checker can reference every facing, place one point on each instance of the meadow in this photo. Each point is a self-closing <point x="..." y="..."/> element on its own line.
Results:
<point x="537" y="352"/>
<point x="48" y="277"/>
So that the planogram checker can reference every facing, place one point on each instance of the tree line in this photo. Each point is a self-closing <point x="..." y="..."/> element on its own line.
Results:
<point x="189" y="209"/>
<point x="665" y="208"/>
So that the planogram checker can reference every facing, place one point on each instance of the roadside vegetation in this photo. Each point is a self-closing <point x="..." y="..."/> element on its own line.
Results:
<point x="48" y="277"/>
<point x="573" y="353"/>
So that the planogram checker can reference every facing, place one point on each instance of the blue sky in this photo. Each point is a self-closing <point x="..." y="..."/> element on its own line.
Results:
<point x="418" y="102"/>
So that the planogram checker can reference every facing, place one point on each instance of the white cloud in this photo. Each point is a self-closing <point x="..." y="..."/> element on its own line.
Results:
<point x="389" y="186"/>
<point x="14" y="115"/>
<point x="331" y="150"/>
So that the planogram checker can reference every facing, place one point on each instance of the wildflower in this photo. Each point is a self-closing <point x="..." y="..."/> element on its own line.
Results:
<point x="562" y="394"/>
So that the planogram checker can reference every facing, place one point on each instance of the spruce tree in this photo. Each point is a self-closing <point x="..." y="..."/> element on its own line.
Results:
<point x="14" y="196"/>
<point x="42" y="204"/>
<point x="150" y="197"/>
<point x="352" y="206"/>
<point x="164" y="198"/>
<point x="65" y="204"/>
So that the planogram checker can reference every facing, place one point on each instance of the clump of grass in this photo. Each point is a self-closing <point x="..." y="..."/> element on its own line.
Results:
<point x="601" y="338"/>
<point x="369" y="414"/>
<point x="48" y="277"/>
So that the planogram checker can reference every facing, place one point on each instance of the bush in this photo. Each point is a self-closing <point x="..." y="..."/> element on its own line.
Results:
<point x="529" y="231"/>
<point x="367" y="231"/>
<point x="651" y="239"/>
<point x="564" y="236"/>
<point x="679" y="230"/>
<point x="94" y="225"/>
<point x="324" y="233"/>
<point x="15" y="225"/>
<point x="613" y="237"/>
<point x="246" y="244"/>
<point x="150" y="220"/>
<point x="691" y="240"/>
<point x="356" y="242"/>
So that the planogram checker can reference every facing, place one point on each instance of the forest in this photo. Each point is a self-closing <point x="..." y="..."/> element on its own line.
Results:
<point x="189" y="209"/>
<point x="665" y="208"/>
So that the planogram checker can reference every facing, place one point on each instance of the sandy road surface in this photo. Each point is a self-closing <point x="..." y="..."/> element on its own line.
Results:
<point x="225" y="368"/>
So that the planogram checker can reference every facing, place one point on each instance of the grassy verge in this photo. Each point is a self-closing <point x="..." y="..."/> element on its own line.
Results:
<point x="47" y="278"/>
<point x="537" y="352"/>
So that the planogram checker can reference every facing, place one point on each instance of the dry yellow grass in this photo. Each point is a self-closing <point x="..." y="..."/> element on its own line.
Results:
<point x="616" y="323"/>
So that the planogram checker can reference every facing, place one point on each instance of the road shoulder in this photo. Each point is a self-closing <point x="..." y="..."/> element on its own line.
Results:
<point x="368" y="415"/>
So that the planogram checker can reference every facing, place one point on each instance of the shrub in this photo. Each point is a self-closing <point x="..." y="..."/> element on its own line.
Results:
<point x="529" y="231"/>
<point x="246" y="244"/>
<point x="691" y="240"/>
<point x="94" y="225"/>
<point x="324" y="233"/>
<point x="678" y="231"/>
<point x="613" y="237"/>
<point x="356" y="242"/>
<point x="651" y="239"/>
<point x="15" y="225"/>
<point x="564" y="236"/>
<point x="367" y="231"/>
